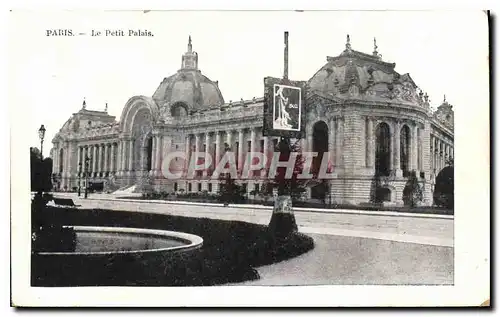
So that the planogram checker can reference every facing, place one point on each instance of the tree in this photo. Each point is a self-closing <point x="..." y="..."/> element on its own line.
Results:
<point x="229" y="190"/>
<point x="292" y="186"/>
<point x="444" y="188"/>
<point x="41" y="171"/>
<point x="412" y="193"/>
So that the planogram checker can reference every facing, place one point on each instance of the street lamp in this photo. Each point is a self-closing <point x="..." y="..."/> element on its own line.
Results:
<point x="87" y="160"/>
<point x="41" y="135"/>
<point x="79" y="178"/>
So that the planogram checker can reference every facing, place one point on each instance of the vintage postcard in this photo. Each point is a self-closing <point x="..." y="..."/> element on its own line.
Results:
<point x="249" y="158"/>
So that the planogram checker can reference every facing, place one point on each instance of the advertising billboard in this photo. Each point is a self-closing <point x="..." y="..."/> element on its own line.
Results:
<point x="284" y="102"/>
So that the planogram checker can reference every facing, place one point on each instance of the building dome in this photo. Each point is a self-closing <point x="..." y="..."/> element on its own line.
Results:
<point x="357" y="75"/>
<point x="188" y="87"/>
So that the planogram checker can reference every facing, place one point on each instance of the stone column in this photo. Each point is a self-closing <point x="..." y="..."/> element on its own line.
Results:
<point x="252" y="149"/>
<point x="159" y="146"/>
<point x="339" y="125"/>
<point x="79" y="160"/>
<point x="188" y="151"/>
<point x="217" y="148"/>
<point x="432" y="152"/>
<point x="207" y="152"/>
<point x="94" y="158"/>
<point x="441" y="155"/>
<point x="370" y="157"/>
<point x="309" y="139"/>
<point x="229" y="139"/>
<point x="331" y="141"/>
<point x="106" y="158"/>
<point x="397" y="149"/>
<point x="118" y="158"/>
<point x="435" y="154"/>
<point x="130" y="155"/>
<point x="112" y="158"/>
<point x="153" y="154"/>
<point x="101" y="158"/>
<point x="447" y="154"/>
<point x="414" y="148"/>
<point x="241" y="132"/>
<point x="196" y="150"/>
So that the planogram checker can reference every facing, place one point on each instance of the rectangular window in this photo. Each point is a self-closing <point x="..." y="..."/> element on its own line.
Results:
<point x="175" y="187"/>
<point x="199" y="187"/>
<point x="210" y="187"/>
<point x="189" y="187"/>
<point x="257" y="188"/>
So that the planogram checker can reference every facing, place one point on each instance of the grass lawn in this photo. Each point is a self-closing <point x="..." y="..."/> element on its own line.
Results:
<point x="230" y="252"/>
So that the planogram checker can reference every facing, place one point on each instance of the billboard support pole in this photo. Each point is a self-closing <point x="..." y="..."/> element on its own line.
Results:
<point x="283" y="220"/>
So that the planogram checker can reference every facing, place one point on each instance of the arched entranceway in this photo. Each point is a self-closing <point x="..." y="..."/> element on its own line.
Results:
<point x="383" y="150"/>
<point x="142" y="152"/>
<point x="320" y="144"/>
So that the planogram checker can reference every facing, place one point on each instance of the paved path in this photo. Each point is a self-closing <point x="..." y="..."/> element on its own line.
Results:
<point x="350" y="247"/>
<point x="338" y="260"/>
<point x="421" y="230"/>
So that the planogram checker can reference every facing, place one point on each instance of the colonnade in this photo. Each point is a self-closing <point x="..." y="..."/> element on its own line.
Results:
<point x="414" y="148"/>
<point x="441" y="152"/>
<point x="215" y="143"/>
<point x="102" y="158"/>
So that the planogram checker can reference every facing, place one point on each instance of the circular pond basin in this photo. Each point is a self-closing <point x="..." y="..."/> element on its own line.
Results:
<point x="109" y="255"/>
<point x="115" y="240"/>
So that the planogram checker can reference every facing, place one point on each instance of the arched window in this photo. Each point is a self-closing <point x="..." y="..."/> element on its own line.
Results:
<point x="149" y="153"/>
<point x="404" y="153"/>
<point x="320" y="144"/>
<point x="179" y="109"/>
<point x="61" y="160"/>
<point x="383" y="150"/>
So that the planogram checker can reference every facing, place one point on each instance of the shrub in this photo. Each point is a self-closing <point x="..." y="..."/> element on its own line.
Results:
<point x="444" y="188"/>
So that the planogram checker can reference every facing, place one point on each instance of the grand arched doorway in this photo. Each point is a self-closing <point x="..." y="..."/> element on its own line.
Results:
<point x="142" y="141"/>
<point x="383" y="150"/>
<point x="320" y="146"/>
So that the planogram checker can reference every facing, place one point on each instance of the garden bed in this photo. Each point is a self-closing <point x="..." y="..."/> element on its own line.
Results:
<point x="231" y="251"/>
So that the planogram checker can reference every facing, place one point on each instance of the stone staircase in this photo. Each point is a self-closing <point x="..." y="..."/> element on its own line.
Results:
<point x="129" y="189"/>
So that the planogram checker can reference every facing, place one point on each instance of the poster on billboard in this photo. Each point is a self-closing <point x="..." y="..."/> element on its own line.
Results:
<point x="284" y="102"/>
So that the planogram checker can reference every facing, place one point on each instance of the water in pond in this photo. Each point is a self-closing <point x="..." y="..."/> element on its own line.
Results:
<point x="122" y="241"/>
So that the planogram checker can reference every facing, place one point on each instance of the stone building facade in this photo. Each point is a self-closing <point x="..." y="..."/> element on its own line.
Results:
<point x="375" y="124"/>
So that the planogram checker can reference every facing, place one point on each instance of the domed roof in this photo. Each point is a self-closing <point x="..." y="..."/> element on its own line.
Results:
<point x="354" y="74"/>
<point x="189" y="86"/>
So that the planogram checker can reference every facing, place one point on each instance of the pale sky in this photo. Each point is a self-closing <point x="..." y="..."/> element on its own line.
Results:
<point x="445" y="52"/>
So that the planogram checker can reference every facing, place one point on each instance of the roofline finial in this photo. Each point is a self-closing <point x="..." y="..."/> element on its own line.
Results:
<point x="84" y="104"/>
<point x="348" y="43"/>
<point x="444" y="98"/>
<point x="190" y="46"/>
<point x="375" y="47"/>
<point x="106" y="108"/>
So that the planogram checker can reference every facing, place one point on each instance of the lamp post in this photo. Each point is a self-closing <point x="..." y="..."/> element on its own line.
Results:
<point x="87" y="160"/>
<point x="41" y="135"/>
<point x="79" y="178"/>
